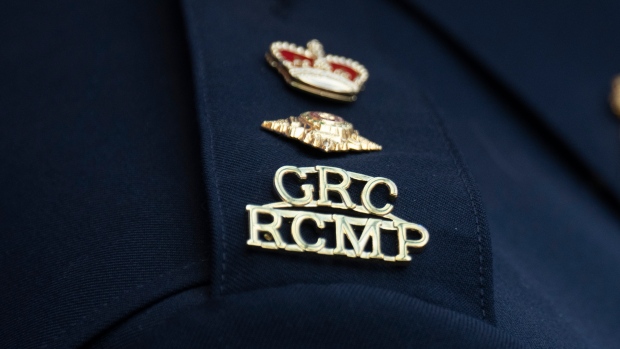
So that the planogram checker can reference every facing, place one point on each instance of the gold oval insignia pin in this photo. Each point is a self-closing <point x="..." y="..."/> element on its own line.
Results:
<point x="324" y="131"/>
<point x="310" y="70"/>
<point x="371" y="220"/>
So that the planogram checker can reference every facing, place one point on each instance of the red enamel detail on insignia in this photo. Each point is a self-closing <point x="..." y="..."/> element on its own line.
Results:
<point x="318" y="116"/>
<point x="352" y="73"/>
<point x="291" y="56"/>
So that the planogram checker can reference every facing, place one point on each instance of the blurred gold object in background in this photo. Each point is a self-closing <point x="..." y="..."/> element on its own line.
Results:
<point x="614" y="97"/>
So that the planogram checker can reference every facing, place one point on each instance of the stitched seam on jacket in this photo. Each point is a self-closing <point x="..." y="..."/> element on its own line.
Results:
<point x="219" y="204"/>
<point x="201" y="93"/>
<point x="461" y="174"/>
<point x="89" y="318"/>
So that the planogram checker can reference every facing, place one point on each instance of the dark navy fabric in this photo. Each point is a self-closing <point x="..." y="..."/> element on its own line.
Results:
<point x="102" y="210"/>
<point x="555" y="235"/>
<point x="557" y="57"/>
<point x="337" y="315"/>
<point x="131" y="143"/>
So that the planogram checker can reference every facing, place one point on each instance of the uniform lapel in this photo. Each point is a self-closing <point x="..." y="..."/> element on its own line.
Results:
<point x="236" y="90"/>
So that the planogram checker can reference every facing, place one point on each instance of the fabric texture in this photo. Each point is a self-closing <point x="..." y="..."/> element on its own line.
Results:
<point x="240" y="160"/>
<point x="131" y="144"/>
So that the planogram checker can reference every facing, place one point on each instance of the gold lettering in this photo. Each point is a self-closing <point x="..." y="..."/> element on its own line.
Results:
<point x="404" y="243"/>
<point x="370" y="185"/>
<point x="268" y="235"/>
<point x="340" y="188"/>
<point x="296" y="231"/>
<point x="308" y="189"/>
<point x="271" y="228"/>
<point x="371" y="229"/>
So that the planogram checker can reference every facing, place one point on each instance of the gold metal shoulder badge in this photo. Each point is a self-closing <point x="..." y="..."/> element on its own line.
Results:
<point x="372" y="221"/>
<point x="324" y="131"/>
<point x="310" y="70"/>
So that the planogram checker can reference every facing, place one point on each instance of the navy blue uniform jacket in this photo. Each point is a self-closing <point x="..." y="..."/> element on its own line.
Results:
<point x="130" y="143"/>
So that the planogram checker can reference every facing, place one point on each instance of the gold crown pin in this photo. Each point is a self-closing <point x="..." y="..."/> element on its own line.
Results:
<point x="324" y="131"/>
<point x="310" y="70"/>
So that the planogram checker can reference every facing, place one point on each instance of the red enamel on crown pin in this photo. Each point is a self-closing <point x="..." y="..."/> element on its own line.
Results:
<point x="310" y="70"/>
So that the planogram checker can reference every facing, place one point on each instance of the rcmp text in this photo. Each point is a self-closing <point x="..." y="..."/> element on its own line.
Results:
<point x="370" y="220"/>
